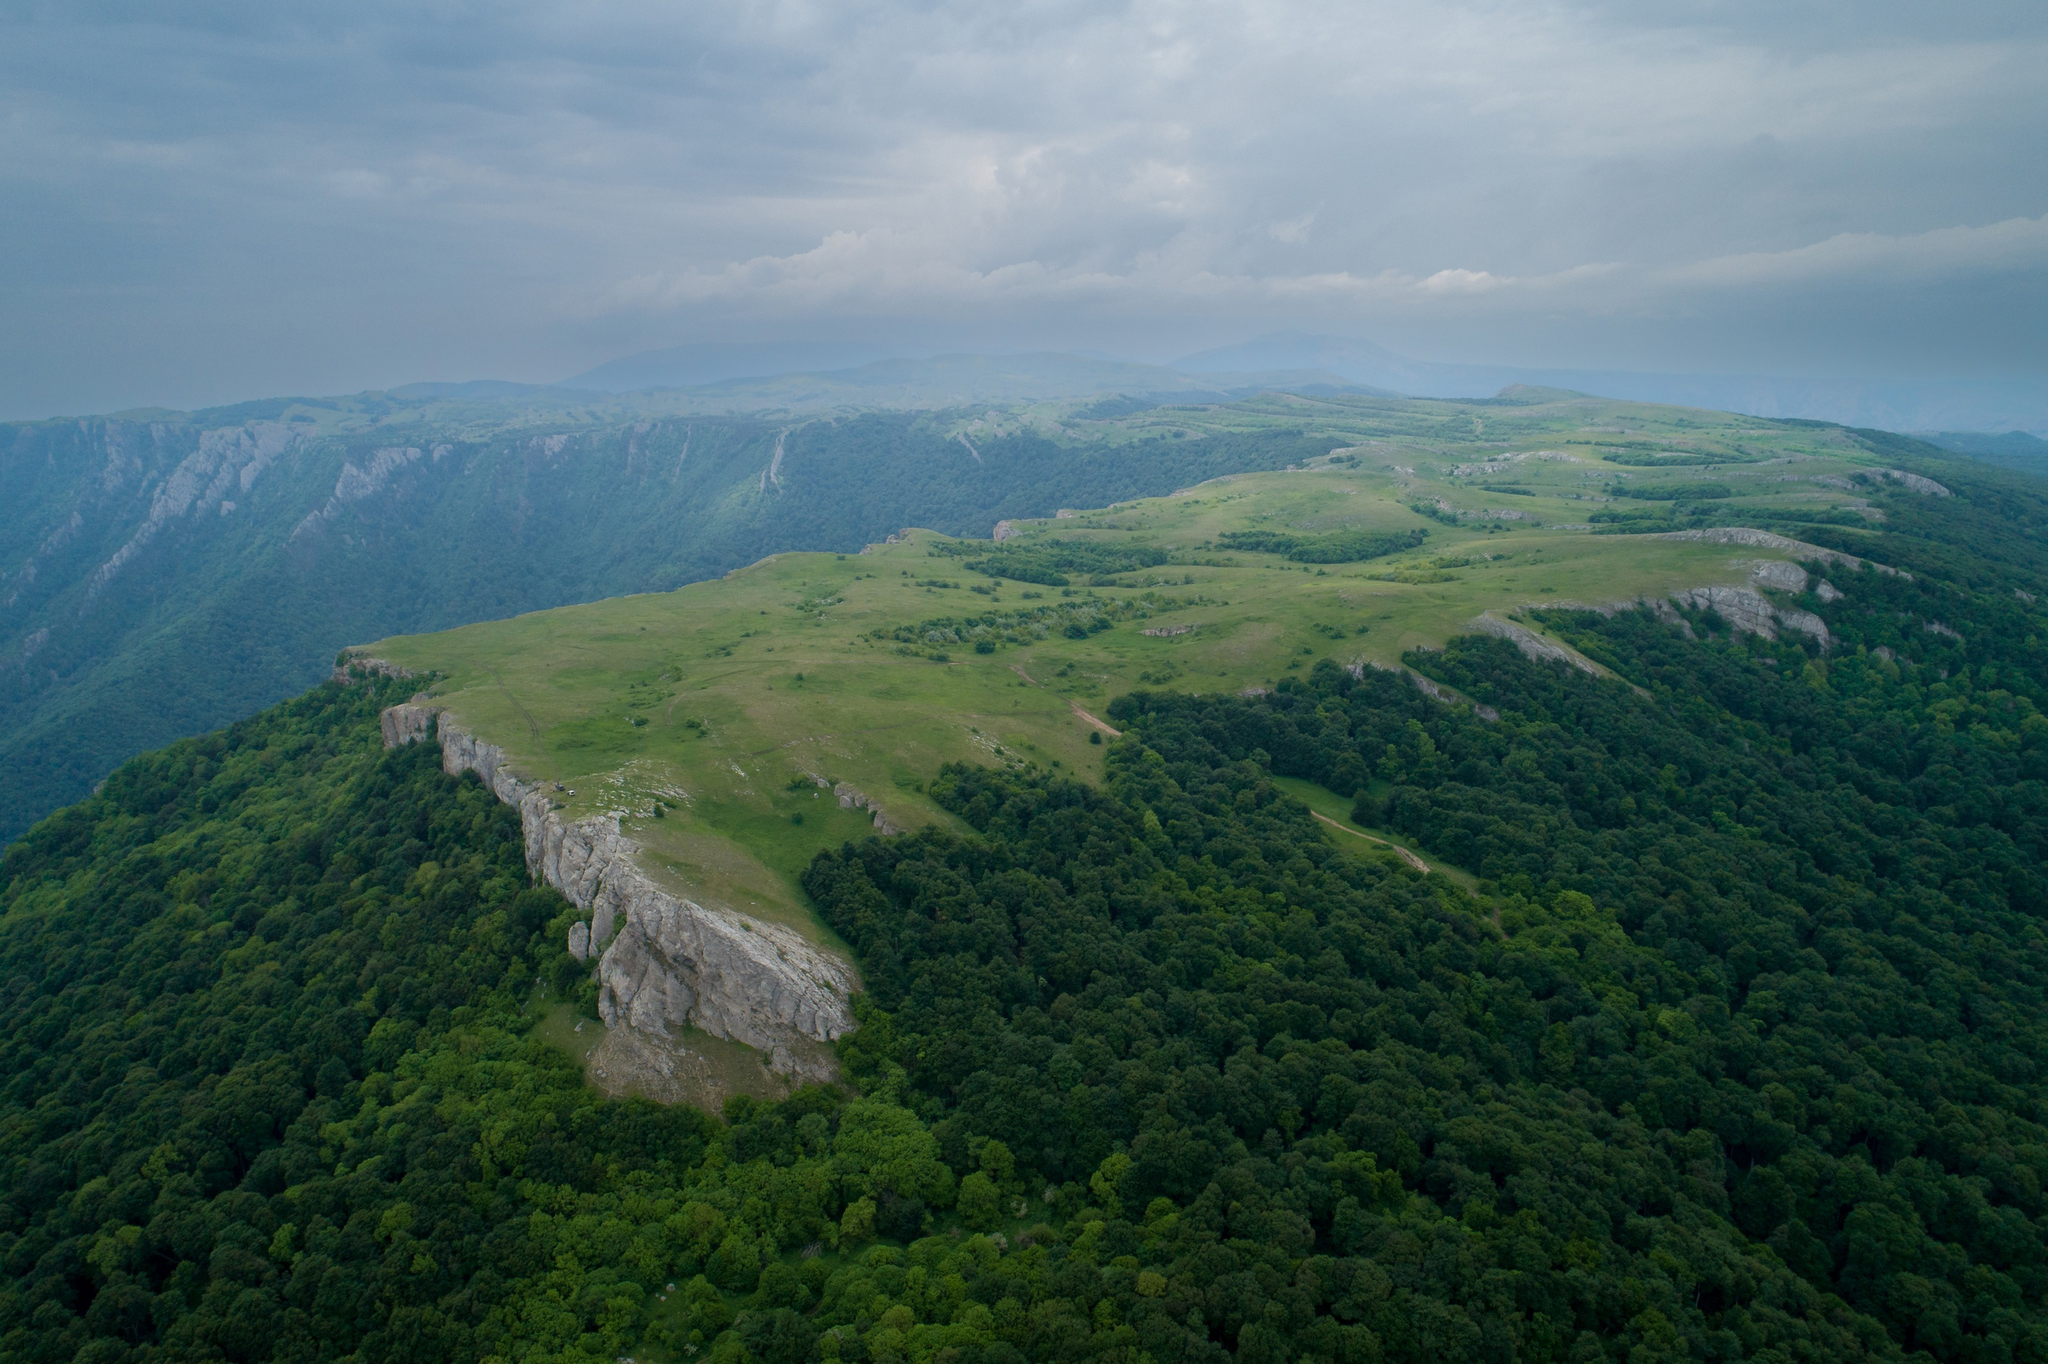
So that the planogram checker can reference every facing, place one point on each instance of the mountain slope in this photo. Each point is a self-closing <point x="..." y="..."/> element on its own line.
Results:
<point x="168" y="575"/>
<point x="1719" y="1038"/>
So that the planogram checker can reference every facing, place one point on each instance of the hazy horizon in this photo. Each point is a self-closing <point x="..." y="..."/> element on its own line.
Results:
<point x="224" y="202"/>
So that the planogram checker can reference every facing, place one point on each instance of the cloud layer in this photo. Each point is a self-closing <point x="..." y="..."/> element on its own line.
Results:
<point x="223" y="198"/>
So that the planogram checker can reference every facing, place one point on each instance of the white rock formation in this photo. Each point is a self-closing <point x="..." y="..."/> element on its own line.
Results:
<point x="1781" y="574"/>
<point x="671" y="961"/>
<point x="1764" y="539"/>
<point x="1534" y="645"/>
<point x="1926" y="487"/>
<point x="1749" y="613"/>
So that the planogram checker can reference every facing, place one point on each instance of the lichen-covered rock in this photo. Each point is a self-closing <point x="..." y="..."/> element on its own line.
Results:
<point x="1749" y="613"/>
<point x="672" y="961"/>
<point x="1780" y="574"/>
<point x="579" y="940"/>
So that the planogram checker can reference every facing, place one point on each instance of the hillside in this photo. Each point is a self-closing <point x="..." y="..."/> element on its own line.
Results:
<point x="1710" y="1031"/>
<point x="168" y="573"/>
<point x="737" y="728"/>
<point x="164" y="573"/>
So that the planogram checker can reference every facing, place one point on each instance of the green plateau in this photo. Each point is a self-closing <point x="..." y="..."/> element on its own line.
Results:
<point x="1441" y="900"/>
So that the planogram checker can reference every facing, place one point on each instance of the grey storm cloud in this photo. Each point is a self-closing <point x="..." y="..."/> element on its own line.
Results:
<point x="211" y="200"/>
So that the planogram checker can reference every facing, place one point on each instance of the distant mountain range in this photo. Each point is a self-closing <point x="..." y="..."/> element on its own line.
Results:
<point x="1987" y="405"/>
<point x="714" y="377"/>
<point x="2013" y="449"/>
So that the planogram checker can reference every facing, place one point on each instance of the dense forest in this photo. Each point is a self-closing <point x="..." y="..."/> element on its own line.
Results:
<point x="1719" y="1035"/>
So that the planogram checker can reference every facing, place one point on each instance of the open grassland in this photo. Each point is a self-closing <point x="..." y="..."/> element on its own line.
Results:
<point x="719" y="721"/>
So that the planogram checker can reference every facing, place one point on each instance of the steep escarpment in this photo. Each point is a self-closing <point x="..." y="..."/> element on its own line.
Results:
<point x="664" y="963"/>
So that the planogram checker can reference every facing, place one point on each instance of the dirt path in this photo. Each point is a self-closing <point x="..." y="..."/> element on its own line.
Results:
<point x="1099" y="723"/>
<point x="1410" y="858"/>
<point x="1102" y="725"/>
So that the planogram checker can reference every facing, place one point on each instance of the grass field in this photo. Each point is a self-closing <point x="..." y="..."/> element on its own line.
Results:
<point x="715" y="720"/>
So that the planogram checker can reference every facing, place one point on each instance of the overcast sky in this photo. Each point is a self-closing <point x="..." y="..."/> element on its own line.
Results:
<point x="220" y="199"/>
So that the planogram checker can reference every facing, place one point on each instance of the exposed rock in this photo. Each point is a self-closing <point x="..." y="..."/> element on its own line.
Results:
<point x="1005" y="530"/>
<point x="1935" y="627"/>
<point x="1764" y="539"/>
<point x="1926" y="487"/>
<point x="851" y="798"/>
<point x="2026" y="597"/>
<point x="1064" y="514"/>
<point x="1168" y="631"/>
<point x="579" y="940"/>
<point x="673" y="962"/>
<point x="1748" y="613"/>
<point x="1827" y="591"/>
<point x="1781" y="574"/>
<point x="1432" y="689"/>
<point x="353" y="666"/>
<point x="227" y="457"/>
<point x="1534" y="645"/>
<point x="1663" y="610"/>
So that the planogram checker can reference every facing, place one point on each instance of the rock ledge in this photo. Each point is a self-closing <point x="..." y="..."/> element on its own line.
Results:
<point x="663" y="961"/>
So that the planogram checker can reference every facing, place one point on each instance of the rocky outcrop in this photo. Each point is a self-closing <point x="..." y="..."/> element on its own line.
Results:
<point x="1750" y="613"/>
<point x="664" y="962"/>
<point x="1434" y="690"/>
<point x="1005" y="530"/>
<point x="1780" y="574"/>
<point x="1534" y="645"/>
<point x="851" y="798"/>
<point x="352" y="666"/>
<point x="1926" y="487"/>
<point x="1764" y="539"/>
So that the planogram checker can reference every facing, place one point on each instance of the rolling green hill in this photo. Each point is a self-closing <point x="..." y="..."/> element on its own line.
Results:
<point x="1606" y="931"/>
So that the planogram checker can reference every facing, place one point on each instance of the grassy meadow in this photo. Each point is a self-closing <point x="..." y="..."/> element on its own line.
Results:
<point x="707" y="718"/>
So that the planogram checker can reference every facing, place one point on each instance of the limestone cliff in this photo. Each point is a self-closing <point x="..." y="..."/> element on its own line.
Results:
<point x="663" y="961"/>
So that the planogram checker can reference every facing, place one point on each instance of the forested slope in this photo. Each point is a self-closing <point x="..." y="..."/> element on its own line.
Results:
<point x="1734" y="1052"/>
<point x="163" y="577"/>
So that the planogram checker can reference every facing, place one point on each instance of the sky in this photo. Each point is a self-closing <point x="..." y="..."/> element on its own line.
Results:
<point x="215" y="200"/>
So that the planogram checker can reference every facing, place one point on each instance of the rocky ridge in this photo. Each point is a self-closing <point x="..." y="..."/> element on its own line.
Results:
<point x="663" y="962"/>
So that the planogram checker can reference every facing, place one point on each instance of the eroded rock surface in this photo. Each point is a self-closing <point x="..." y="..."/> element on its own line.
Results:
<point x="1750" y="613"/>
<point x="1534" y="645"/>
<point x="664" y="962"/>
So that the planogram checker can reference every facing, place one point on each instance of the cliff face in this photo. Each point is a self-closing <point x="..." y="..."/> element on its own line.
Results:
<point x="662" y="961"/>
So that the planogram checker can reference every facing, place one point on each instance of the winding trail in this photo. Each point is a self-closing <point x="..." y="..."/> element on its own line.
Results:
<point x="1410" y="858"/>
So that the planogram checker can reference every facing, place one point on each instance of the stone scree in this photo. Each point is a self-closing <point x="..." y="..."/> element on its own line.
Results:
<point x="663" y="961"/>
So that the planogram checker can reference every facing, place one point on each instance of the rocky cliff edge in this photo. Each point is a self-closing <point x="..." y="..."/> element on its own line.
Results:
<point x="663" y="961"/>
